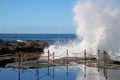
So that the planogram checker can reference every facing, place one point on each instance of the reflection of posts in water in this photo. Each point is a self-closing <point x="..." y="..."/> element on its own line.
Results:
<point x="48" y="70"/>
<point x="53" y="66"/>
<point x="53" y="72"/>
<point x="85" y="63"/>
<point x="19" y="67"/>
<point x="37" y="69"/>
<point x="19" y="73"/>
<point x="105" y="72"/>
<point x="67" y="70"/>
<point x="37" y="73"/>
<point x="85" y="70"/>
<point x="105" y="64"/>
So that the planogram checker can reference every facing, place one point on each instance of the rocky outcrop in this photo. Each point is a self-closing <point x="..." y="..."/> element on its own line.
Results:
<point x="3" y="62"/>
<point x="28" y="46"/>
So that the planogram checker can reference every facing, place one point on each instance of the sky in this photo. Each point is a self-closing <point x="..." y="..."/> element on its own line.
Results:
<point x="37" y="16"/>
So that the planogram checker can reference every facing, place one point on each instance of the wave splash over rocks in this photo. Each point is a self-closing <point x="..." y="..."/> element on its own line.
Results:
<point x="97" y="28"/>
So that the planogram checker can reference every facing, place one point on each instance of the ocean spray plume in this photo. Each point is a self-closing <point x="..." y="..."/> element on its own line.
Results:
<point x="97" y="25"/>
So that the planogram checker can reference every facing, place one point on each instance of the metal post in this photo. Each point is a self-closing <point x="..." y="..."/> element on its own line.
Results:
<point x="67" y="62"/>
<point x="19" y="60"/>
<point x="85" y="63"/>
<point x="105" y="57"/>
<point x="48" y="57"/>
<point x="48" y="61"/>
<point x="98" y="59"/>
<point x="105" y="64"/>
<point x="53" y="58"/>
<point x="67" y="56"/>
<point x="98" y="54"/>
<point x="85" y="55"/>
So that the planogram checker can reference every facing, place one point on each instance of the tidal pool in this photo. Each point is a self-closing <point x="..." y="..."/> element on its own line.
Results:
<point x="79" y="72"/>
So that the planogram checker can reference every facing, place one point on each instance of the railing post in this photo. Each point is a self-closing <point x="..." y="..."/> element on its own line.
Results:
<point x="98" y="54"/>
<point x="53" y="58"/>
<point x="85" y="55"/>
<point x="19" y="60"/>
<point x="98" y="59"/>
<point x="67" y="56"/>
<point x="85" y="63"/>
<point x="67" y="62"/>
<point x="48" y="61"/>
<point x="105" y="57"/>
<point x="105" y="64"/>
<point x="48" y="57"/>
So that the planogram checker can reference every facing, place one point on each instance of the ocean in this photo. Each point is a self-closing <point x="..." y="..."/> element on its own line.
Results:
<point x="42" y="37"/>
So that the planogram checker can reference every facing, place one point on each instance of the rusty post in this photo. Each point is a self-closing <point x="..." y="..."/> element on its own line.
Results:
<point x="98" y="54"/>
<point x="67" y="56"/>
<point x="85" y="55"/>
<point x="19" y="60"/>
<point x="85" y="63"/>
<point x="53" y="58"/>
<point x="105" y="64"/>
<point x="67" y="62"/>
<point x="48" y="61"/>
<point x="98" y="59"/>
<point x="48" y="57"/>
<point x="105" y="57"/>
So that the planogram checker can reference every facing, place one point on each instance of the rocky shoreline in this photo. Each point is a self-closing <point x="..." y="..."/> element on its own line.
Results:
<point x="27" y="49"/>
<point x="28" y="46"/>
<point x="26" y="54"/>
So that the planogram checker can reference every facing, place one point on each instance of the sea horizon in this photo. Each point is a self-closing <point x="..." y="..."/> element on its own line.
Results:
<point x="41" y="37"/>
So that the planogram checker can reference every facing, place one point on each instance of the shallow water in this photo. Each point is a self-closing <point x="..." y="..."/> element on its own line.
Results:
<point x="79" y="72"/>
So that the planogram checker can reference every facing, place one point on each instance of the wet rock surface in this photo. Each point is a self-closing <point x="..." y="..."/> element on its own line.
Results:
<point x="27" y="49"/>
<point x="11" y="47"/>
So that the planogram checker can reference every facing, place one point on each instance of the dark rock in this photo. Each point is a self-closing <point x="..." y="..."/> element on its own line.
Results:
<point x="30" y="46"/>
<point x="116" y="62"/>
<point x="29" y="49"/>
<point x="6" y="61"/>
<point x="5" y="50"/>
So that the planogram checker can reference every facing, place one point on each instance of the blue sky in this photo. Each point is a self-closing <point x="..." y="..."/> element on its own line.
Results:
<point x="37" y="16"/>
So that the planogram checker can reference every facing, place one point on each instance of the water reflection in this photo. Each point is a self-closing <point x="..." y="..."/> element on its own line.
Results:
<point x="79" y="72"/>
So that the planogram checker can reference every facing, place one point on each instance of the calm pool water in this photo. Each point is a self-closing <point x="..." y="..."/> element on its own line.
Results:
<point x="79" y="72"/>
